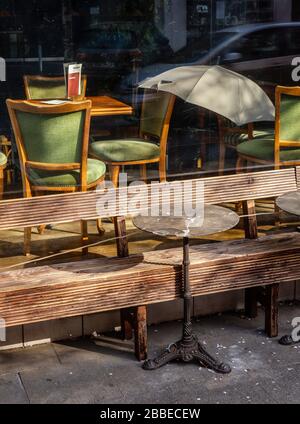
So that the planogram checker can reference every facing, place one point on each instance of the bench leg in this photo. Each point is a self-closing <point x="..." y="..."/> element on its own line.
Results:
<point x="136" y="319"/>
<point x="140" y="332"/>
<point x="250" y="221"/>
<point x="271" y="310"/>
<point x="131" y="318"/>
<point x="123" y="251"/>
<point x="120" y="233"/>
<point x="251" y="232"/>
<point x="251" y="303"/>
<point x="126" y="323"/>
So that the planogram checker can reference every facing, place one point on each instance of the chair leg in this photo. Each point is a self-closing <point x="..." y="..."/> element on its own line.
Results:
<point x="41" y="229"/>
<point x="27" y="240"/>
<point x="222" y="155"/>
<point x="1" y="183"/>
<point x="140" y="332"/>
<point x="162" y="170"/>
<point x="84" y="236"/>
<point x="114" y="171"/>
<point x="239" y="165"/>
<point x="100" y="228"/>
<point x="8" y="173"/>
<point x="144" y="173"/>
<point x="114" y="174"/>
<point x="203" y="153"/>
<point x="271" y="310"/>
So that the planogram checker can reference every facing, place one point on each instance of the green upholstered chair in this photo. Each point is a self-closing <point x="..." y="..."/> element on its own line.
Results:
<point x="6" y="149"/>
<point x="38" y="87"/>
<point x="282" y="149"/>
<point x="3" y="162"/>
<point x="151" y="145"/>
<point x="52" y="142"/>
<point x="231" y="136"/>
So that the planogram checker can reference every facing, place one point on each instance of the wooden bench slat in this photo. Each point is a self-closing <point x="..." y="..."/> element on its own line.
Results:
<point x="91" y="286"/>
<point x="112" y="269"/>
<point x="297" y="171"/>
<point x="62" y="208"/>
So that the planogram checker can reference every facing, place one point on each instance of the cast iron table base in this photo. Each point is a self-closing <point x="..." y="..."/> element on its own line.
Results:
<point x="188" y="348"/>
<point x="287" y="341"/>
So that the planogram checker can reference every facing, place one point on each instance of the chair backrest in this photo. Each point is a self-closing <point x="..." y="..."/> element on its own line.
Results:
<point x="287" y="126"/>
<point x="156" y="114"/>
<point x="287" y="113"/>
<point x="51" y="137"/>
<point x="38" y="87"/>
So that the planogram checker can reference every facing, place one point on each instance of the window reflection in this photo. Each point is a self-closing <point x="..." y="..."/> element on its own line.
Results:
<point x="121" y="43"/>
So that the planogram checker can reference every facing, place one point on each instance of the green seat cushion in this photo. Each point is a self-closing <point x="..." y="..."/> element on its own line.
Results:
<point x="3" y="159"/>
<point x="95" y="170"/>
<point x="235" y="139"/>
<point x="124" y="150"/>
<point x="263" y="148"/>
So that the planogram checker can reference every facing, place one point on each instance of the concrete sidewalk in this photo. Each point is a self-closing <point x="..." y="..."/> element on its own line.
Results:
<point x="81" y="372"/>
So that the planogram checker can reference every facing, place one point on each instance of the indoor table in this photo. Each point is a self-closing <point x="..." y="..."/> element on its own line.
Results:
<point x="108" y="106"/>
<point x="214" y="220"/>
<point x="101" y="105"/>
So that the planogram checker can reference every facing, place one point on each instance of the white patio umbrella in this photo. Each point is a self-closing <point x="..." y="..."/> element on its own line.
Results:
<point x="218" y="89"/>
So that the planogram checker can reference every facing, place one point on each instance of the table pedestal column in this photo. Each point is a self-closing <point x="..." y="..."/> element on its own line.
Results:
<point x="188" y="348"/>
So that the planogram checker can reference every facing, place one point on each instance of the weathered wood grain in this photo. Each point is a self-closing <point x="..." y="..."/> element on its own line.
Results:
<point x="62" y="208"/>
<point x="297" y="170"/>
<point x="91" y="286"/>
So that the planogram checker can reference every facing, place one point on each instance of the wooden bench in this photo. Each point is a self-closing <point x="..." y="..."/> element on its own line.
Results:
<point x="131" y="283"/>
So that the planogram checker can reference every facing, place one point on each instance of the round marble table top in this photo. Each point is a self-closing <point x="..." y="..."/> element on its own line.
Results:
<point x="215" y="219"/>
<point x="290" y="202"/>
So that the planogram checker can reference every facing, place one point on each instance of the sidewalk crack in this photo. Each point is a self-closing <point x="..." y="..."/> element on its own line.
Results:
<point x="19" y="377"/>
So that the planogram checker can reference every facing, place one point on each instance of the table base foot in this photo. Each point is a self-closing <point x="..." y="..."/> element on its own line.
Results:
<point x="187" y="351"/>
<point x="287" y="341"/>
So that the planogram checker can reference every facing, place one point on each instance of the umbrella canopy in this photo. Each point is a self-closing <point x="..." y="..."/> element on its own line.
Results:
<point x="218" y="89"/>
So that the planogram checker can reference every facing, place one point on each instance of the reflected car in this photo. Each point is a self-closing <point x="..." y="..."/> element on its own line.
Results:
<point x="262" y="52"/>
<point x="110" y="52"/>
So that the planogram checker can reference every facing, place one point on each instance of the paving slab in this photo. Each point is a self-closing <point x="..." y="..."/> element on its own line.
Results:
<point x="81" y="372"/>
<point x="38" y="357"/>
<point x="12" y="390"/>
<point x="70" y="385"/>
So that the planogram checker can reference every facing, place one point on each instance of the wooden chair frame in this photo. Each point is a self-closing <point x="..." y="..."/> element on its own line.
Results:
<point x="278" y="143"/>
<point x="161" y="159"/>
<point x="2" y="168"/>
<point x="225" y="130"/>
<point x="114" y="169"/>
<point x="28" y="78"/>
<point x="5" y="146"/>
<point x="28" y="188"/>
